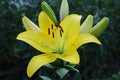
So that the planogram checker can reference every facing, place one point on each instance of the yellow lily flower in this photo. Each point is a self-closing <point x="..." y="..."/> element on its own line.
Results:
<point x="55" y="42"/>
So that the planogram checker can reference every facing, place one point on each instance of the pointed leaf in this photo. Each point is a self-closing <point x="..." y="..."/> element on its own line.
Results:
<point x="49" y="66"/>
<point x="62" y="72"/>
<point x="45" y="78"/>
<point x="100" y="27"/>
<point x="72" y="67"/>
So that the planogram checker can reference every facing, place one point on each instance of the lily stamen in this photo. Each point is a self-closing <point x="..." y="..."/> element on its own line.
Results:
<point x="60" y="33"/>
<point x="60" y="27"/>
<point x="52" y="26"/>
<point x="48" y="31"/>
<point x="53" y="34"/>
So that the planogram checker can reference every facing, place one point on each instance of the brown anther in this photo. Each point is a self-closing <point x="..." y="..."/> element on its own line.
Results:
<point x="49" y="31"/>
<point x="60" y="27"/>
<point x="53" y="34"/>
<point x="60" y="33"/>
<point x="52" y="26"/>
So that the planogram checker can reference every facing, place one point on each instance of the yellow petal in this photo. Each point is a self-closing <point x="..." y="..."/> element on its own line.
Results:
<point x="44" y="22"/>
<point x="71" y="26"/>
<point x="29" y="25"/>
<point x="83" y="39"/>
<point x="70" y="55"/>
<point x="38" y="61"/>
<point x="38" y="40"/>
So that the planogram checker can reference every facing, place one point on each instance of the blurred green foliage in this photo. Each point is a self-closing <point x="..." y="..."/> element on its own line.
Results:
<point x="97" y="62"/>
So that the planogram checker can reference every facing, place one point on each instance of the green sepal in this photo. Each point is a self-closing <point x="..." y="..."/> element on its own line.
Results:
<point x="45" y="78"/>
<point x="64" y="9"/>
<point x="62" y="72"/>
<point x="49" y="66"/>
<point x="87" y="24"/>
<point x="72" y="67"/>
<point x="100" y="27"/>
<point x="48" y="10"/>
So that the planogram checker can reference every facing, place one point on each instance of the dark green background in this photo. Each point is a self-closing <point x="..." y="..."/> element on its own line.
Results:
<point x="97" y="62"/>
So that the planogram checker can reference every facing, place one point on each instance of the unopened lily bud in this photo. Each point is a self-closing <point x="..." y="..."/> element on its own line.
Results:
<point x="64" y="9"/>
<point x="48" y="10"/>
<point x="29" y="25"/>
<point x="87" y="24"/>
<point x="100" y="27"/>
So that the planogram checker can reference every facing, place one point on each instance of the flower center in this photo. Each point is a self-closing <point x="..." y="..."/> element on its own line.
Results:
<point x="59" y="51"/>
<point x="51" y="30"/>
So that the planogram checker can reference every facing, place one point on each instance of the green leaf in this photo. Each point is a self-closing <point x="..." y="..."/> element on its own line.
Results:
<point x="45" y="78"/>
<point x="100" y="27"/>
<point x="48" y="10"/>
<point x="87" y="24"/>
<point x="49" y="66"/>
<point x="72" y="67"/>
<point x="62" y="72"/>
<point x="64" y="9"/>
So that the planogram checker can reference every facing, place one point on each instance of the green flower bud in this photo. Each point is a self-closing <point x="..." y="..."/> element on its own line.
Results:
<point x="100" y="27"/>
<point x="64" y="9"/>
<point x="87" y="24"/>
<point x="48" y="10"/>
<point x="29" y="25"/>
